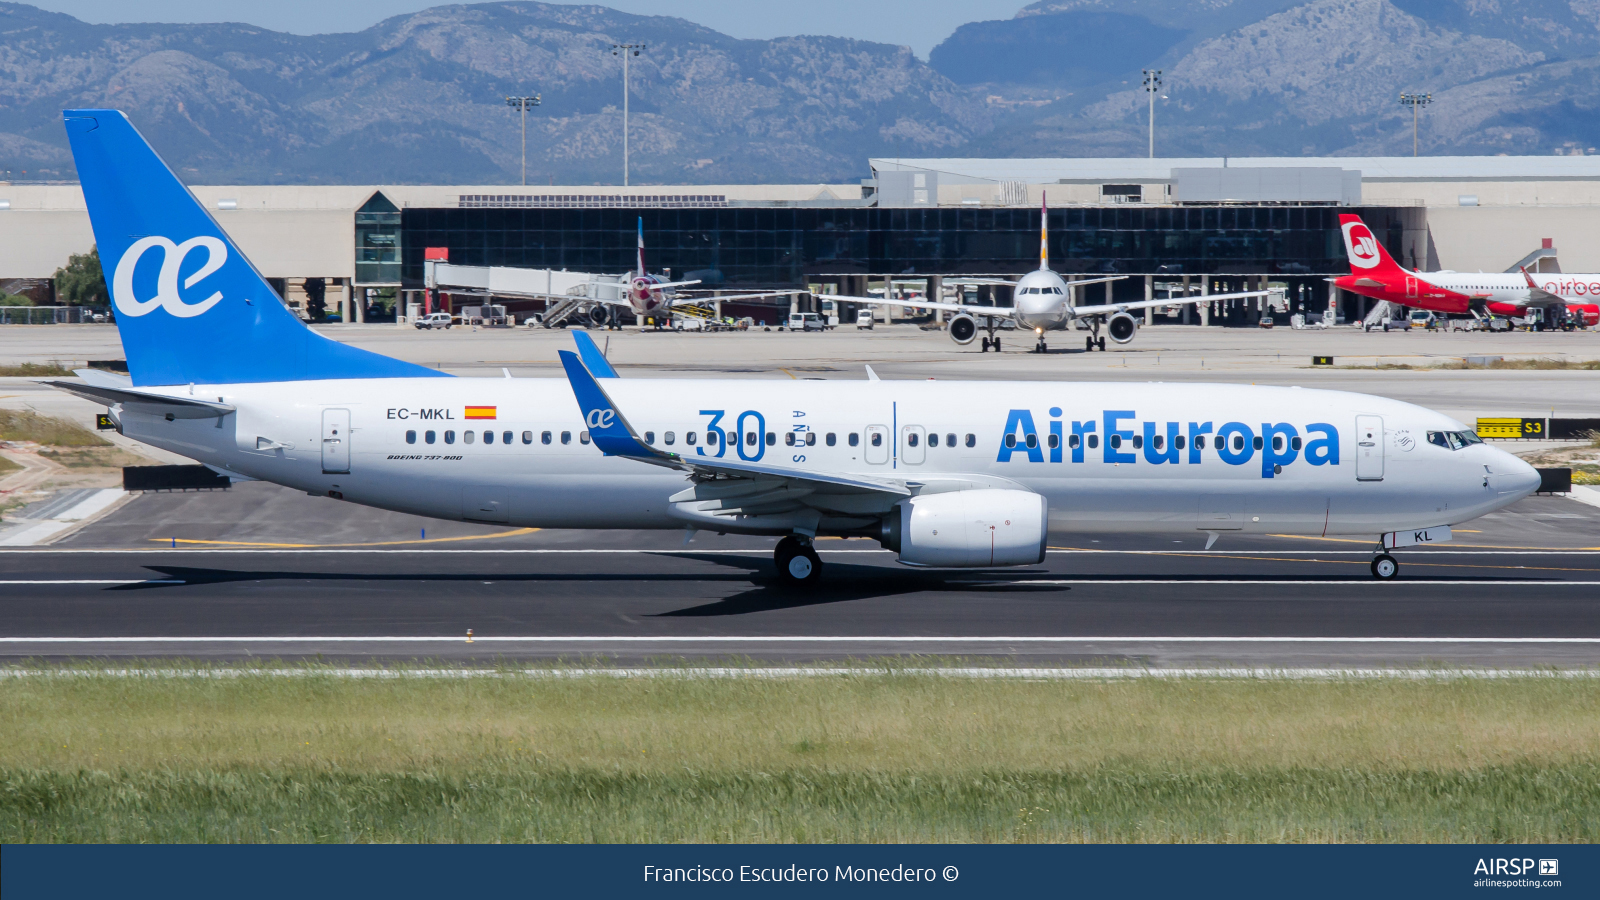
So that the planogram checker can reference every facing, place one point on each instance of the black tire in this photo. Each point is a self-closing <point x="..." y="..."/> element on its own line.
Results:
<point x="997" y="345"/>
<point x="1088" y="345"/>
<point x="985" y="346"/>
<point x="1385" y="567"/>
<point x="802" y="568"/>
<point x="1101" y="343"/>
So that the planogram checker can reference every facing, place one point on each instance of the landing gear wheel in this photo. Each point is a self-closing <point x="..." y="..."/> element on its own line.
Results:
<point x="798" y="564"/>
<point x="1101" y="343"/>
<point x="997" y="345"/>
<point x="1088" y="345"/>
<point x="1041" y="348"/>
<point x="1385" y="567"/>
<point x="985" y="346"/>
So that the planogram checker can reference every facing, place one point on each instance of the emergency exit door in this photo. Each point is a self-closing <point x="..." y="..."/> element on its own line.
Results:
<point x="1369" y="448"/>
<point x="335" y="441"/>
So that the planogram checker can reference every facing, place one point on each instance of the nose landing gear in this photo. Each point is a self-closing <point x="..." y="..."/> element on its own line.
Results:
<point x="1385" y="567"/>
<point x="797" y="562"/>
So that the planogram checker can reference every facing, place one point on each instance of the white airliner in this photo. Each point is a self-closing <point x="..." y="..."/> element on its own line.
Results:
<point x="945" y="474"/>
<point x="1044" y="303"/>
<point x="647" y="296"/>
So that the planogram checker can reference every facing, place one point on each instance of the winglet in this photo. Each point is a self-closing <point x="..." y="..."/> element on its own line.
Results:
<point x="593" y="359"/>
<point x="607" y="428"/>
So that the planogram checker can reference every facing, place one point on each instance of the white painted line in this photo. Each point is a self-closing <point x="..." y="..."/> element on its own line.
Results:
<point x="92" y="504"/>
<point x="1586" y="494"/>
<point x="94" y="581"/>
<point x="1097" y="673"/>
<point x="786" y="639"/>
<point x="35" y="534"/>
<point x="1353" y="582"/>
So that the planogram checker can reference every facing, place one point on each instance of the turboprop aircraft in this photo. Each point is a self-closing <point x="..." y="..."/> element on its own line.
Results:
<point x="944" y="474"/>
<point x="1567" y="300"/>
<point x="1044" y="303"/>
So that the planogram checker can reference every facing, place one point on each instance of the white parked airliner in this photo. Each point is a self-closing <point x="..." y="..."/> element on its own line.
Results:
<point x="946" y="474"/>
<point x="1043" y="302"/>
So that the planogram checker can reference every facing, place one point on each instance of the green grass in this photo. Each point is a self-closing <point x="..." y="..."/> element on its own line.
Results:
<point x="898" y="756"/>
<point x="34" y="370"/>
<point x="7" y="467"/>
<point x="25" y="425"/>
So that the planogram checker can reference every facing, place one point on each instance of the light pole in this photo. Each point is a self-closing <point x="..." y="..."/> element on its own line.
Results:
<point x="625" y="51"/>
<point x="523" y="103"/>
<point x="1152" y="85"/>
<point x="1414" y="101"/>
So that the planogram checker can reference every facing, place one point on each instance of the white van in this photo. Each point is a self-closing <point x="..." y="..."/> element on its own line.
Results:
<point x="434" y="320"/>
<point x="806" y="322"/>
<point x="864" y="320"/>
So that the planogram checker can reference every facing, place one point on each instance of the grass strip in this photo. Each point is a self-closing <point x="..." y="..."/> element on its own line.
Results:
<point x="34" y="370"/>
<point x="895" y="756"/>
<point x="26" y="425"/>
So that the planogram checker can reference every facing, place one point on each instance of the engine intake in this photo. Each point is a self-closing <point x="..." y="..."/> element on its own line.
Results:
<point x="1122" y="327"/>
<point x="969" y="529"/>
<point x="963" y="328"/>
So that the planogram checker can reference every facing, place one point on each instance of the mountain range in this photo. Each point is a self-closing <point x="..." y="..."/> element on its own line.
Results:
<point x="420" y="97"/>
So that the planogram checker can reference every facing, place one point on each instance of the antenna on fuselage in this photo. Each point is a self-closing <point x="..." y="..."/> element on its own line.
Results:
<point x="1044" y="233"/>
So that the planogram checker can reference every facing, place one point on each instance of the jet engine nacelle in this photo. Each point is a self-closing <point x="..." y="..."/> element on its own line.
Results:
<point x="963" y="328"/>
<point x="600" y="315"/>
<point x="969" y="529"/>
<point x="1122" y="327"/>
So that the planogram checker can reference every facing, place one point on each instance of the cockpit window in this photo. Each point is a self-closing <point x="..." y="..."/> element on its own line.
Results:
<point x="1453" y="440"/>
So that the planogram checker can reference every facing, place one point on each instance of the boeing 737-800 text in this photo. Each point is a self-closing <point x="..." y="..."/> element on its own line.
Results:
<point x="949" y="474"/>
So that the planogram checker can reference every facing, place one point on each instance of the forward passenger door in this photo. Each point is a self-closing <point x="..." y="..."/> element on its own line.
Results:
<point x="1369" y="448"/>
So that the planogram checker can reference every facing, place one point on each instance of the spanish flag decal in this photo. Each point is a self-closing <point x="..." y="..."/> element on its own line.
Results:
<point x="480" y="412"/>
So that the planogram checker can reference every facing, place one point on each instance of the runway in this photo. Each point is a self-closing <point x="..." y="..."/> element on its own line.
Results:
<point x="1263" y="606"/>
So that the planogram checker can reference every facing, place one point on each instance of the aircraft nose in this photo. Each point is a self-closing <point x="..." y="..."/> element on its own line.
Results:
<point x="1512" y="476"/>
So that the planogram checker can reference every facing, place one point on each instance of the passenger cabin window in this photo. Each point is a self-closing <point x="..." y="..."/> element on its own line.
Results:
<point x="1199" y="442"/>
<point x="527" y="437"/>
<point x="544" y="437"/>
<point x="1138" y="442"/>
<point x="411" y="437"/>
<point x="1032" y="441"/>
<point x="854" y="439"/>
<point x="1054" y="441"/>
<point x="488" y="437"/>
<point x="450" y="437"/>
<point x="1177" y="441"/>
<point x="689" y="437"/>
<point x="811" y="439"/>
<point x="1294" y="443"/>
<point x="506" y="437"/>
<point x="711" y="439"/>
<point x="583" y="437"/>
<point x="1011" y="441"/>
<point x="1256" y="443"/>
<point x="1238" y="442"/>
<point x="649" y="437"/>
<point x="832" y="439"/>
<point x="668" y="438"/>
<point x="566" y="437"/>
<point x="950" y="440"/>
<point x="1116" y="441"/>
<point x="427" y="437"/>
<point x="972" y="440"/>
<point x="788" y="438"/>
<point x="1094" y="441"/>
<point x="1072" y="441"/>
<point x="772" y="439"/>
<point x="933" y="439"/>
<point x="1155" y="441"/>
<point x="466" y="437"/>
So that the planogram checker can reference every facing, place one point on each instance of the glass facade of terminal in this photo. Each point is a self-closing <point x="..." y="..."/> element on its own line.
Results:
<point x="783" y="247"/>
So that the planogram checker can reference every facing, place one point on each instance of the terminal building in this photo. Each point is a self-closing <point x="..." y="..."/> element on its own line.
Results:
<point x="1205" y="225"/>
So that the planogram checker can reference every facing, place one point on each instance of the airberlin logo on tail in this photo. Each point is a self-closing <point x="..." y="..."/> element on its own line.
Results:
<point x="172" y="257"/>
<point x="1363" y="247"/>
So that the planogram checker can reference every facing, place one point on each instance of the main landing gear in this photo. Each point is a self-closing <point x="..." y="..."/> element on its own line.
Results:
<point x="1091" y="344"/>
<point x="797" y="561"/>
<point x="991" y="342"/>
<point x="1385" y="567"/>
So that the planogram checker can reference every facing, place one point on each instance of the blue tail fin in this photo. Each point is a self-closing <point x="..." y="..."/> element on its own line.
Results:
<point x="593" y="359"/>
<point x="189" y="306"/>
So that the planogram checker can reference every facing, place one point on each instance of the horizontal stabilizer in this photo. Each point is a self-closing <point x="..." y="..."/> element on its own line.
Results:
<point x="149" y="404"/>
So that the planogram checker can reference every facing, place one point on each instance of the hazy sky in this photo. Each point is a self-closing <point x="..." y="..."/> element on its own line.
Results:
<point x="918" y="23"/>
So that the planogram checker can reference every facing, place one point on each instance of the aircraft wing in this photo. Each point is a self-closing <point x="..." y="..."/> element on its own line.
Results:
<point x="999" y="312"/>
<point x="1538" y="296"/>
<point x="611" y="433"/>
<point x="762" y="295"/>
<point x="1113" y="308"/>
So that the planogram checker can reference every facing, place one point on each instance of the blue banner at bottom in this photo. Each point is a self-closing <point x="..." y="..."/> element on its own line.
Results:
<point x="301" y="871"/>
